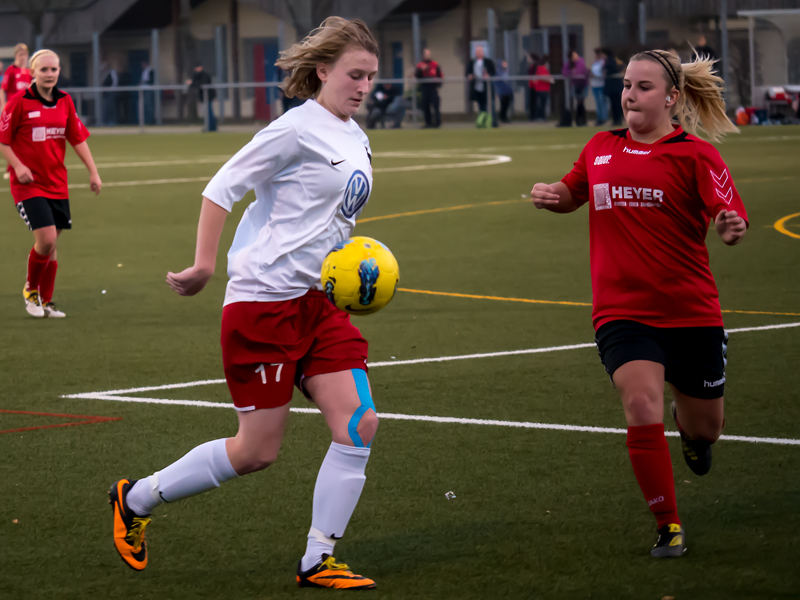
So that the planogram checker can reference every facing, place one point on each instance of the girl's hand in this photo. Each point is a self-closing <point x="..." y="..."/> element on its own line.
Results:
<point x="95" y="184"/>
<point x="544" y="195"/>
<point x="189" y="281"/>
<point x="730" y="227"/>
<point x="24" y="174"/>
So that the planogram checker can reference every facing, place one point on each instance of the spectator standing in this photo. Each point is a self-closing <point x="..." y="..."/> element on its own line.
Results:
<point x="504" y="91"/>
<point x="147" y="79"/>
<point x="199" y="79"/>
<point x="532" y="60"/>
<point x="429" y="69"/>
<point x="597" y="80"/>
<point x="577" y="73"/>
<point x="542" y="86"/>
<point x="706" y="51"/>
<point x="478" y="71"/>
<point x="614" y="74"/>
<point x="111" y="80"/>
<point x="703" y="49"/>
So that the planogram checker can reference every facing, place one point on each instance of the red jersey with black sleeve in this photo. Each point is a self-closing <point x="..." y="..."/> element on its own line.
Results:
<point x="428" y="69"/>
<point x="37" y="131"/>
<point x="650" y="207"/>
<point x="16" y="80"/>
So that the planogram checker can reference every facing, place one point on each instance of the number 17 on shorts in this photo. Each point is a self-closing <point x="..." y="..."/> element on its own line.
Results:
<point x="261" y="385"/>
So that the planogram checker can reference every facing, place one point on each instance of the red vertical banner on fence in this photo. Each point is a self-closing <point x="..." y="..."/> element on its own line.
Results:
<point x="261" y="108"/>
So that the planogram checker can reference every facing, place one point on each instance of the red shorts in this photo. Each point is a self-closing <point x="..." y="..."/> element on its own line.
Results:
<point x="269" y="347"/>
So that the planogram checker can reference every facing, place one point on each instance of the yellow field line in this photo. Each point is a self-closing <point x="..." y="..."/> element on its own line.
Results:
<point x="438" y="210"/>
<point x="780" y="225"/>
<point x="564" y="303"/>
<point x="527" y="300"/>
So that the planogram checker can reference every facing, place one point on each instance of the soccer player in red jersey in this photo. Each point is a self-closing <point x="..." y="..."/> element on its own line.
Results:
<point x="652" y="190"/>
<point x="34" y="127"/>
<point x="17" y="77"/>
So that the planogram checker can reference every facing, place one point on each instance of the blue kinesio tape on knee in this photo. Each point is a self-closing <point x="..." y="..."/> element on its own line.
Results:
<point x="362" y="387"/>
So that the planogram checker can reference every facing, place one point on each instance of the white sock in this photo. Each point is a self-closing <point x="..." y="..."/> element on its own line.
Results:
<point x="339" y="483"/>
<point x="202" y="469"/>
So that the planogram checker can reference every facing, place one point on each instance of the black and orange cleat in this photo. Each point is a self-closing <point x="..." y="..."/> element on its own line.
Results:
<point x="671" y="542"/>
<point x="128" y="527"/>
<point x="330" y="574"/>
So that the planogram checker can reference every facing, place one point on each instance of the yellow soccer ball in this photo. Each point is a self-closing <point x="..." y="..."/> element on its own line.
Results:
<point x="360" y="275"/>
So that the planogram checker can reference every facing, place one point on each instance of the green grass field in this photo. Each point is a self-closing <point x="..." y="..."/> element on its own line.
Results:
<point x="539" y="513"/>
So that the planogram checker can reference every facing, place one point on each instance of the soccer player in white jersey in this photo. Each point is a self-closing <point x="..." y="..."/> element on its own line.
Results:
<point x="311" y="172"/>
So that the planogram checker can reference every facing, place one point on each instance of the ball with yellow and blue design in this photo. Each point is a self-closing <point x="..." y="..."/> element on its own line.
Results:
<point x="360" y="275"/>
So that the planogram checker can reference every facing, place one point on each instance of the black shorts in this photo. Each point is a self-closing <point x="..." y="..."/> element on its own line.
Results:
<point x="694" y="358"/>
<point x="43" y="212"/>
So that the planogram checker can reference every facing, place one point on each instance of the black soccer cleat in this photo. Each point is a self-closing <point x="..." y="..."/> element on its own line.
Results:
<point x="671" y="542"/>
<point x="696" y="453"/>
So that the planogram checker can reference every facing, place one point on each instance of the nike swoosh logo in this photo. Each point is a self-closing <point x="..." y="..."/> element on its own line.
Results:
<point x="349" y="307"/>
<point x="338" y="163"/>
<point x="120" y="485"/>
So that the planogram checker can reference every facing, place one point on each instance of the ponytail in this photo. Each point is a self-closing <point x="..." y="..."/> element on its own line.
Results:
<point x="700" y="104"/>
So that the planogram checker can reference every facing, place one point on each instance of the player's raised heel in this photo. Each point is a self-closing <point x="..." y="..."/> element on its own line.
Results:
<point x="128" y="527"/>
<point x="696" y="453"/>
<point x="671" y="542"/>
<point x="330" y="574"/>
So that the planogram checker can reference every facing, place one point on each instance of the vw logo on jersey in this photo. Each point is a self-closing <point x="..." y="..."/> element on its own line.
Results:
<point x="355" y="194"/>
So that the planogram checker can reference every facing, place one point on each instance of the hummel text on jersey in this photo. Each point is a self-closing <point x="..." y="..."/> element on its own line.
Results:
<point x="602" y="160"/>
<point x="642" y="152"/>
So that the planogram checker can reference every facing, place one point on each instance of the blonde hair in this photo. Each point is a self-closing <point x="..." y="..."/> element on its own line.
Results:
<point x="21" y="48"/>
<point x="326" y="44"/>
<point x="39" y="54"/>
<point x="700" y="103"/>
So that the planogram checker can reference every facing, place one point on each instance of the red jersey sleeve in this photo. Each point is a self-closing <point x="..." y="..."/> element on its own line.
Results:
<point x="577" y="180"/>
<point x="76" y="130"/>
<point x="714" y="183"/>
<point x="9" y="119"/>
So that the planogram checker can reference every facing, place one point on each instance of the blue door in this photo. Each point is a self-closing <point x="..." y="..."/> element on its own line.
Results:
<point x="397" y="60"/>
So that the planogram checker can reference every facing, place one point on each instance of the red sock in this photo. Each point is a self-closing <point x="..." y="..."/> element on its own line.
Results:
<point x="652" y="465"/>
<point x="48" y="281"/>
<point x="36" y="266"/>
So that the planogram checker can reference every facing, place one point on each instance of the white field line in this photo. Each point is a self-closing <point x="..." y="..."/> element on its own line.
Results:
<point x="486" y="160"/>
<point x="415" y="361"/>
<point x="430" y="419"/>
<point x="222" y="158"/>
<point x="116" y="396"/>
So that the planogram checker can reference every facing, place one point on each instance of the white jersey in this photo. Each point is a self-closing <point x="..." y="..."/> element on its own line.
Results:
<point x="312" y="176"/>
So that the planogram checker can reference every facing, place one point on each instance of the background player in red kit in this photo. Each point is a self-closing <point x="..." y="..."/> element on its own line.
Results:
<point x="652" y="190"/>
<point x="17" y="77"/>
<point x="34" y="127"/>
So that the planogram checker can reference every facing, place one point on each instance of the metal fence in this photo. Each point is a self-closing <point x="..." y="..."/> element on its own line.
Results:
<point x="158" y="105"/>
